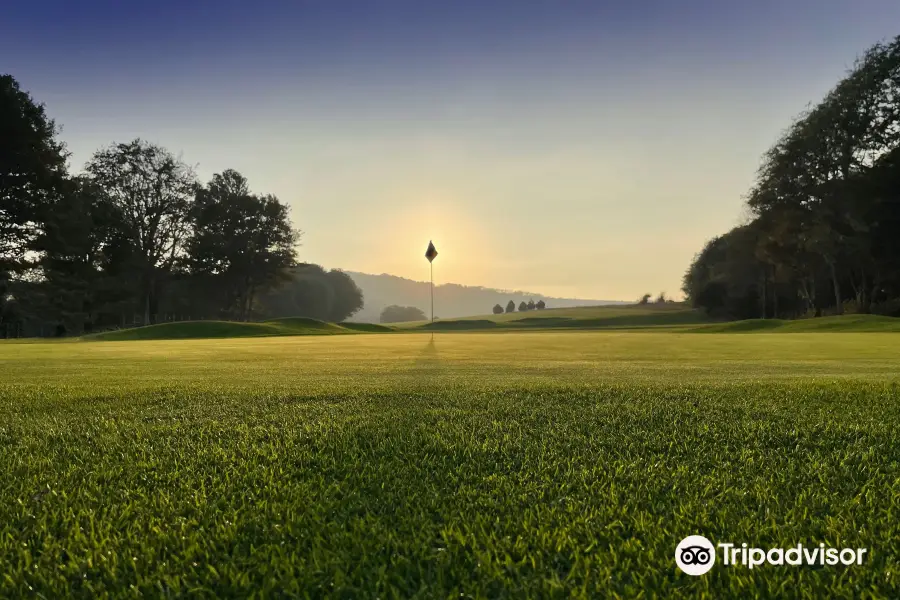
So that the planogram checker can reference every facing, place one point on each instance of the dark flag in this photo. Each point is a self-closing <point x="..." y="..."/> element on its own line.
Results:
<point x="431" y="253"/>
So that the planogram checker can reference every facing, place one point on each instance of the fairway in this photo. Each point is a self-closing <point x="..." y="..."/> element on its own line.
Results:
<point x="484" y="465"/>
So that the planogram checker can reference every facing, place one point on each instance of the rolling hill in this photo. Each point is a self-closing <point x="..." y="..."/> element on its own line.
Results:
<point x="231" y="329"/>
<point x="630" y="316"/>
<point x="451" y="300"/>
<point x="673" y="317"/>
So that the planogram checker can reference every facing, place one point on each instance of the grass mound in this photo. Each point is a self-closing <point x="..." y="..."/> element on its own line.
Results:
<point x="223" y="329"/>
<point x="187" y="330"/>
<point x="591" y="317"/>
<point x="638" y="317"/>
<point x="860" y="323"/>
<point x="845" y="323"/>
<point x="542" y="321"/>
<point x="748" y="325"/>
<point x="367" y="327"/>
<point x="459" y="325"/>
<point x="304" y="325"/>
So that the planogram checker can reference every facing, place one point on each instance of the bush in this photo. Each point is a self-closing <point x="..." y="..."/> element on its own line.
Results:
<point x="889" y="308"/>
<point x="399" y="314"/>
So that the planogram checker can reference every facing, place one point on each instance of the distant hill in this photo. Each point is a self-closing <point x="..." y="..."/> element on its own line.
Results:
<point x="451" y="300"/>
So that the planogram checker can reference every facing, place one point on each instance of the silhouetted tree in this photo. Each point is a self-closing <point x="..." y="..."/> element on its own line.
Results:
<point x="348" y="298"/>
<point x="136" y="232"/>
<point x="541" y="305"/>
<point x="510" y="306"/>
<point x="32" y="171"/>
<point x="240" y="241"/>
<point x="531" y="305"/>
<point x="661" y="298"/>
<point x="310" y="291"/>
<point x="824" y="205"/>
<point x="399" y="314"/>
<point x="645" y="299"/>
<point x="83" y="256"/>
<point x="153" y="190"/>
<point x="498" y="310"/>
<point x="522" y="306"/>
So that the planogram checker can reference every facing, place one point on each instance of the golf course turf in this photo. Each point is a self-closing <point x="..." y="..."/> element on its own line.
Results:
<point x="463" y="464"/>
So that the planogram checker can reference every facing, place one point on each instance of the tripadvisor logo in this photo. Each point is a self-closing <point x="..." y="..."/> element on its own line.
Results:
<point x="695" y="555"/>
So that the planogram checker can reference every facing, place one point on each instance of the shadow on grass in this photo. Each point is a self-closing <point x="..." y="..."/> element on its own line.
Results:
<point x="428" y="360"/>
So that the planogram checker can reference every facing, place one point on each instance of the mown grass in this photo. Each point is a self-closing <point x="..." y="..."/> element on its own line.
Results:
<point x="545" y="464"/>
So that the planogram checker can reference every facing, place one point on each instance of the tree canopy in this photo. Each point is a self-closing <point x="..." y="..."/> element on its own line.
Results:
<point x="825" y="228"/>
<point x="32" y="176"/>
<point x="136" y="239"/>
<point x="311" y="291"/>
<point x="399" y="314"/>
<point x="240" y="242"/>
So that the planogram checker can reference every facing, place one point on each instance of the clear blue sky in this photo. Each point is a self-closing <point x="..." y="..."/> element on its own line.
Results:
<point x="579" y="148"/>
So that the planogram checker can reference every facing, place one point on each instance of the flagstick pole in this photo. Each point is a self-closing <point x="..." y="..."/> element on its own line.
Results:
<point x="432" y="291"/>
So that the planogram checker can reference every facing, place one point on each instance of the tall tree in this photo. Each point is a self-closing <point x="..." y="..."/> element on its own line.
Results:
<point x="79" y="246"/>
<point x="817" y="177"/>
<point x="310" y="291"/>
<point x="153" y="190"/>
<point x="32" y="171"/>
<point x="240" y="240"/>
<point x="348" y="298"/>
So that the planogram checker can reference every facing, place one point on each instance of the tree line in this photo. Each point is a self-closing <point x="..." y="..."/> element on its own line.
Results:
<point x="660" y="299"/>
<point x="136" y="238"/>
<point x="400" y="314"/>
<point x="523" y="306"/>
<point x="824" y="231"/>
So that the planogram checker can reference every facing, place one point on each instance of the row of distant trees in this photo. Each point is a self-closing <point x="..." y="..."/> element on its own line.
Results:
<point x="400" y="314"/>
<point x="824" y="232"/>
<point x="660" y="299"/>
<point x="136" y="237"/>
<point x="523" y="306"/>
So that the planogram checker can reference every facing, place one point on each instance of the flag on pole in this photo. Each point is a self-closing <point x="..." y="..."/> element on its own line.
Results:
<point x="431" y="253"/>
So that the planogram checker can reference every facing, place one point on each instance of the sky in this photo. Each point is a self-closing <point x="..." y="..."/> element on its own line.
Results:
<point x="571" y="148"/>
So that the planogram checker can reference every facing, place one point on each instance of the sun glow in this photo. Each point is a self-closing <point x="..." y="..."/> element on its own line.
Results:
<point x="458" y="238"/>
